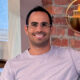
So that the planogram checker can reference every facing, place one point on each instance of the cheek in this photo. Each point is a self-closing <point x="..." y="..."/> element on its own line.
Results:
<point x="48" y="31"/>
<point x="30" y="31"/>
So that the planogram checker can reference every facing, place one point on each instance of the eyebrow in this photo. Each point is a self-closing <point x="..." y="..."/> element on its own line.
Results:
<point x="41" y="22"/>
<point x="34" y="22"/>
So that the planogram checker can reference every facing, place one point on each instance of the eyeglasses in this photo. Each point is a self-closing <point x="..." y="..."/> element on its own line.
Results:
<point x="44" y="25"/>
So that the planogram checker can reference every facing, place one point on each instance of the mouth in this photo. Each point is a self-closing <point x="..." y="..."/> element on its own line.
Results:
<point x="39" y="35"/>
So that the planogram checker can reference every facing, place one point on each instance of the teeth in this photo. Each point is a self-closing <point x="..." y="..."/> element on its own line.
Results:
<point x="39" y="35"/>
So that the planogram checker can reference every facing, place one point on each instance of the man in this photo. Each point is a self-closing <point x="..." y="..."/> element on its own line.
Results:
<point x="42" y="61"/>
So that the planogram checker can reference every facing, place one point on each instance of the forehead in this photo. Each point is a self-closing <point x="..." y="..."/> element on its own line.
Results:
<point x="39" y="16"/>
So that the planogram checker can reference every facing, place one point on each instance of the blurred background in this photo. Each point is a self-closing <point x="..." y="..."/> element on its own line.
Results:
<point x="3" y="26"/>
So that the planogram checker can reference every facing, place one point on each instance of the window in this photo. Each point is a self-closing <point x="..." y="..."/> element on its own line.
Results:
<point x="3" y="20"/>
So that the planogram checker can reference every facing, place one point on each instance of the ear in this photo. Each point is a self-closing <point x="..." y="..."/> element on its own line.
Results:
<point x="52" y="29"/>
<point x="26" y="29"/>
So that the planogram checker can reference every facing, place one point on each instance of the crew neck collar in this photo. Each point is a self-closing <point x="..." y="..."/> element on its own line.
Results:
<point x="41" y="55"/>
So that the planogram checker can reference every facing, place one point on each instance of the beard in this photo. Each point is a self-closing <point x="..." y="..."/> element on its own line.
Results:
<point x="40" y="43"/>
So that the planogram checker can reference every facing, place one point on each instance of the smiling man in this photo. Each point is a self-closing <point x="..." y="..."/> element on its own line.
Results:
<point x="42" y="61"/>
<point x="38" y="30"/>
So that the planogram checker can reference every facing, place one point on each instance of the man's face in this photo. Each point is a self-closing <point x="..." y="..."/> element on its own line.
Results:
<point x="38" y="29"/>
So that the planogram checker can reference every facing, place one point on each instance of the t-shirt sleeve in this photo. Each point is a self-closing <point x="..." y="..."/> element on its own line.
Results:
<point x="76" y="59"/>
<point x="7" y="74"/>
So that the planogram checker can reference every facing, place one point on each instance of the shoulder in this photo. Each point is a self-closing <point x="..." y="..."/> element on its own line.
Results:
<point x="61" y="49"/>
<point x="13" y="64"/>
<point x="18" y="58"/>
<point x="65" y="49"/>
<point x="66" y="52"/>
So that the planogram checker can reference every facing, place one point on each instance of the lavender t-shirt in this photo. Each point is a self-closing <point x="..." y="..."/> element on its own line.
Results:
<point x="57" y="64"/>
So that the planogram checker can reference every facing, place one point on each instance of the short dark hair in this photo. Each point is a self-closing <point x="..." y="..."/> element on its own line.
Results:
<point x="38" y="8"/>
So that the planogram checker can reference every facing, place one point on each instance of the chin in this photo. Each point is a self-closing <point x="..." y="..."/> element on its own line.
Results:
<point x="41" y="44"/>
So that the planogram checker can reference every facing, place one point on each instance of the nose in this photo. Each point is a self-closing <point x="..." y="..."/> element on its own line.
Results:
<point x="39" y="28"/>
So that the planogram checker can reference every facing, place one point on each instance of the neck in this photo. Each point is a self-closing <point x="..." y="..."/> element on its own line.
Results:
<point x="39" y="50"/>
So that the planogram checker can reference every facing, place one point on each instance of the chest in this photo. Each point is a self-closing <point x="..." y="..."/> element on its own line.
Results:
<point x="46" y="69"/>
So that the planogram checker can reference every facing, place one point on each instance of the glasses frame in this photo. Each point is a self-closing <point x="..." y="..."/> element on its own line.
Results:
<point x="34" y="25"/>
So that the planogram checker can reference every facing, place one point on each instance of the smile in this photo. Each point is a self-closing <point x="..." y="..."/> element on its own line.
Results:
<point x="39" y="36"/>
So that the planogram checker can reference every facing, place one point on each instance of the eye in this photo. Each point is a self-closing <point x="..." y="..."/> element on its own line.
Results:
<point x="34" y="24"/>
<point x="44" y="24"/>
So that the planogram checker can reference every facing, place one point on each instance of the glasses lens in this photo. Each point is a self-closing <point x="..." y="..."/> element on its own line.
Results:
<point x="34" y="24"/>
<point x="45" y="24"/>
<point x="42" y="24"/>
